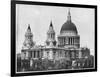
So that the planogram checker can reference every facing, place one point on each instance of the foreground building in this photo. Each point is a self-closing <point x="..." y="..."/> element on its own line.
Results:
<point x="67" y="47"/>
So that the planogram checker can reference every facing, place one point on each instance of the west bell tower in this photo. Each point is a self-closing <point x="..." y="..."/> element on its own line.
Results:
<point x="28" y="43"/>
<point x="51" y="36"/>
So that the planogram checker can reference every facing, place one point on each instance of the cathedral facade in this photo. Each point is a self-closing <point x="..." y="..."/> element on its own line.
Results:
<point x="66" y="47"/>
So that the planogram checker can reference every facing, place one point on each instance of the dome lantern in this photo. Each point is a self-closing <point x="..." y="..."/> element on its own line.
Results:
<point x="69" y="16"/>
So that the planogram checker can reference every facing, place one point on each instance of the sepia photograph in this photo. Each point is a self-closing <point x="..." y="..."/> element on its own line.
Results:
<point x="54" y="38"/>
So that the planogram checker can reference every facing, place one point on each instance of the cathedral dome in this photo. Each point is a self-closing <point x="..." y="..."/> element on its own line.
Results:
<point x="68" y="25"/>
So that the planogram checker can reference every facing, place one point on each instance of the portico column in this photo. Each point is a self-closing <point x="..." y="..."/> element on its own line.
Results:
<point x="69" y="41"/>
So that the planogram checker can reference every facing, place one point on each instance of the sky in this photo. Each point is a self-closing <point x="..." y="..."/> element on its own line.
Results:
<point x="39" y="18"/>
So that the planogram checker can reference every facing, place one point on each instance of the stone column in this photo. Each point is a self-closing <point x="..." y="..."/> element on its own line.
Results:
<point x="26" y="54"/>
<point x="69" y="40"/>
<point x="31" y="63"/>
<point x="63" y="54"/>
<point x="44" y="54"/>
<point x="51" y="54"/>
<point x="63" y="40"/>
<point x="33" y="54"/>
<point x="80" y="54"/>
<point x="68" y="55"/>
<point x="73" y="40"/>
<point x="39" y="54"/>
<point x="36" y="54"/>
<point x="58" y="53"/>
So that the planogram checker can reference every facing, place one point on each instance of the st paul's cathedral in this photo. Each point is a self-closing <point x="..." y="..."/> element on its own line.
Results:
<point x="66" y="47"/>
